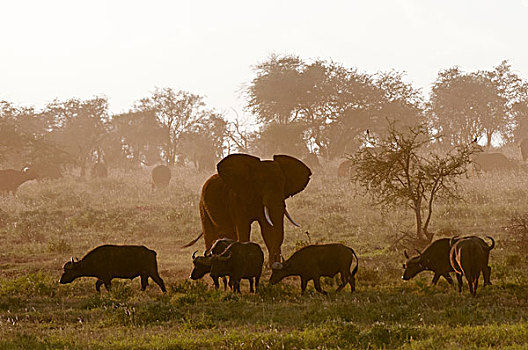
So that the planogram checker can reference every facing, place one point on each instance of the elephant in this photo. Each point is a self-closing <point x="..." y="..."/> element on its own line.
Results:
<point x="247" y="189"/>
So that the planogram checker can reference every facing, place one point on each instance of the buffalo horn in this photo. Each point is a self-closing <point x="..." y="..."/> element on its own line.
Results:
<point x="405" y="253"/>
<point x="225" y="258"/>
<point x="276" y="266"/>
<point x="194" y="254"/>
<point x="266" y="214"/>
<point x="290" y="218"/>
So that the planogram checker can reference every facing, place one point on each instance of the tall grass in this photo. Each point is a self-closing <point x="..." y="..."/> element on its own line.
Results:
<point x="50" y="221"/>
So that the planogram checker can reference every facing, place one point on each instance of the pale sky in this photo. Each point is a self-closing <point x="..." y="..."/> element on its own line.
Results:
<point x="124" y="49"/>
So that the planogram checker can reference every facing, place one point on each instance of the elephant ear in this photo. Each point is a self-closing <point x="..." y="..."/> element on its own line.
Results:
<point x="296" y="173"/>
<point x="236" y="171"/>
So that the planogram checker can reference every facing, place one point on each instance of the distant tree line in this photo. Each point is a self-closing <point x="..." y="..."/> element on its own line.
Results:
<point x="298" y="106"/>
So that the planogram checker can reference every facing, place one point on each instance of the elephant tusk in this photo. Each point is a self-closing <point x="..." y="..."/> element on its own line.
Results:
<point x="266" y="214"/>
<point x="290" y="218"/>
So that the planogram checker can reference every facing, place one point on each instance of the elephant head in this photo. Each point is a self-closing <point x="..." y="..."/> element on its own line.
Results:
<point x="261" y="188"/>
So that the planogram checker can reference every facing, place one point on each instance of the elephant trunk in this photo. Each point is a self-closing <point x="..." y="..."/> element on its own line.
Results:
<point x="272" y="225"/>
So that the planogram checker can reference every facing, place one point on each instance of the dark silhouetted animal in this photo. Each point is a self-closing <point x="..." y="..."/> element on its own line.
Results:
<point x="11" y="179"/>
<point x="239" y="260"/>
<point x="107" y="262"/>
<point x="469" y="257"/>
<point x="161" y="176"/>
<point x="434" y="257"/>
<point x="99" y="169"/>
<point x="485" y="162"/>
<point x="345" y="168"/>
<point x="202" y="264"/>
<point x="247" y="189"/>
<point x="524" y="149"/>
<point x="314" y="261"/>
<point x="486" y="273"/>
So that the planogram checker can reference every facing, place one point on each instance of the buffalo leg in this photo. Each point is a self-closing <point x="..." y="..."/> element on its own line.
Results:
<point x="144" y="282"/>
<point x="215" y="282"/>
<point x="317" y="284"/>
<point x="436" y="277"/>
<point x="224" y="279"/>
<point x="486" y="274"/>
<point x="108" y="284"/>
<point x="251" y="285"/>
<point x="352" y="283"/>
<point x="344" y="281"/>
<point x="257" y="280"/>
<point x="98" y="284"/>
<point x="460" y="282"/>
<point x="448" y="278"/>
<point x="236" y="286"/>
<point x="304" y="283"/>
<point x="159" y="281"/>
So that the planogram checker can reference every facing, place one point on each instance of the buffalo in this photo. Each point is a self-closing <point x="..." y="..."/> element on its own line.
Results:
<point x="486" y="162"/>
<point x="107" y="262"/>
<point x="314" y="261"/>
<point x="434" y="257"/>
<point x="11" y="179"/>
<point x="469" y="257"/>
<point x="202" y="264"/>
<point x="161" y="176"/>
<point x="239" y="260"/>
<point x="99" y="169"/>
<point x="524" y="149"/>
<point x="345" y="168"/>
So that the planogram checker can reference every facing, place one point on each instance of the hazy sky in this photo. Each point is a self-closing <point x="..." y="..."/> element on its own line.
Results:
<point x="124" y="49"/>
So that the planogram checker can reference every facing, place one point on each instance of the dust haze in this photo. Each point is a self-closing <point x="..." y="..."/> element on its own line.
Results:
<point x="286" y="176"/>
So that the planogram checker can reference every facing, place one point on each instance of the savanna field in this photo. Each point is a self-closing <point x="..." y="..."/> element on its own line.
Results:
<point x="48" y="222"/>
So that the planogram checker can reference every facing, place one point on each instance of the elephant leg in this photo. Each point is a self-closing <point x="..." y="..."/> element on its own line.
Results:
<point x="243" y="230"/>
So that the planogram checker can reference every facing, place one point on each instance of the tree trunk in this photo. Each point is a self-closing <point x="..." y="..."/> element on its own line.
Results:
<point x="419" y="228"/>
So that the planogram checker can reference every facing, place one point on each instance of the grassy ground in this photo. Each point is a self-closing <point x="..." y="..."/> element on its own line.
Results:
<point x="49" y="222"/>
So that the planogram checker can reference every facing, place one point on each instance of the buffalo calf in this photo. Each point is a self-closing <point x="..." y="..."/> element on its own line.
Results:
<point x="107" y="262"/>
<point x="202" y="264"/>
<point x="239" y="260"/>
<point x="314" y="261"/>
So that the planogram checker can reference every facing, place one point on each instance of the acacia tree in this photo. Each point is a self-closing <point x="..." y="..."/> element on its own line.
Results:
<point x="77" y="127"/>
<point x="401" y="171"/>
<point x="483" y="103"/>
<point x="139" y="135"/>
<point x="176" y="111"/>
